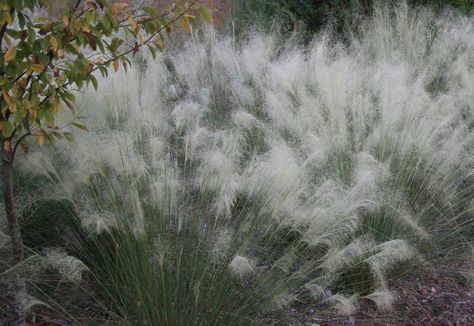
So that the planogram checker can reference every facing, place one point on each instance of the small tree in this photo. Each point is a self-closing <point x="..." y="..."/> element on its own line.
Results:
<point x="51" y="48"/>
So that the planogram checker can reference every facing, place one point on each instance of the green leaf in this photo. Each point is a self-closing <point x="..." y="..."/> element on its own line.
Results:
<point x="150" y="11"/>
<point x="6" y="129"/>
<point x="94" y="82"/>
<point x="69" y="136"/>
<point x="21" y="19"/>
<point x="80" y="126"/>
<point x="49" y="117"/>
<point x="152" y="50"/>
<point x="205" y="14"/>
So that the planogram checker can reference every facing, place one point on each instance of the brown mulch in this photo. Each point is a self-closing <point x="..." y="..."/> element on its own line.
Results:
<point x="438" y="295"/>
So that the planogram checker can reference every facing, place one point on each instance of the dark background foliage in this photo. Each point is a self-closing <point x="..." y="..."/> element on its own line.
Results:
<point x="310" y="16"/>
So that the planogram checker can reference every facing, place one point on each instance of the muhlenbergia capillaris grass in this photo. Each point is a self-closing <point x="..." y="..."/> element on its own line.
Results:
<point x="222" y="182"/>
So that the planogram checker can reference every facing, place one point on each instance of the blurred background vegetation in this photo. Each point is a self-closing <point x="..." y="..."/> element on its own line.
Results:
<point x="310" y="16"/>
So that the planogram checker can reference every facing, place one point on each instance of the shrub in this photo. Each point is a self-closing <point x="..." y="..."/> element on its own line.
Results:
<point x="311" y="16"/>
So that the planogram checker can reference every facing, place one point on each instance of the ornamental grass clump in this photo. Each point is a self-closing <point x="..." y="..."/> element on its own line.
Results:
<point x="224" y="182"/>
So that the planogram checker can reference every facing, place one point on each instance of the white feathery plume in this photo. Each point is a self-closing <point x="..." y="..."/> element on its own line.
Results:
<point x="99" y="222"/>
<point x="383" y="299"/>
<point x="241" y="267"/>
<point x="69" y="267"/>
<point x="221" y="245"/>
<point x="346" y="306"/>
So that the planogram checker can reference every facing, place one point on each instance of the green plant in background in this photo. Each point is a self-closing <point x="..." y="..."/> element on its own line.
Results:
<point x="309" y="16"/>
<point x="50" y="49"/>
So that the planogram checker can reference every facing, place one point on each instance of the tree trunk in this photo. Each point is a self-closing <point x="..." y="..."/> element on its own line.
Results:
<point x="13" y="226"/>
<point x="18" y="285"/>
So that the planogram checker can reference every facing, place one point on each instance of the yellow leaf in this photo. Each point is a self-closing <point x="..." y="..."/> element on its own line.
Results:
<point x="184" y="21"/>
<point x="57" y="107"/>
<point x="9" y="101"/>
<point x="159" y="43"/>
<point x="133" y="22"/>
<point x="15" y="90"/>
<point x="54" y="43"/>
<point x="85" y="27"/>
<point x="7" y="97"/>
<point x="36" y="67"/>
<point x="40" y="137"/>
<point x="66" y="21"/>
<point x="9" y="18"/>
<point x="78" y="25"/>
<point x="42" y="19"/>
<point x="10" y="54"/>
<point x="119" y="6"/>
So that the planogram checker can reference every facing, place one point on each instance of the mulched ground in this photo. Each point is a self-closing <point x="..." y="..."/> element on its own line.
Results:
<point x="440" y="295"/>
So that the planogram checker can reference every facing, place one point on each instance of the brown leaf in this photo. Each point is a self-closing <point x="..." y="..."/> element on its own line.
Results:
<point x="91" y="5"/>
<point x="91" y="40"/>
<point x="116" y="64"/>
<point x="7" y="146"/>
<point x="24" y="35"/>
